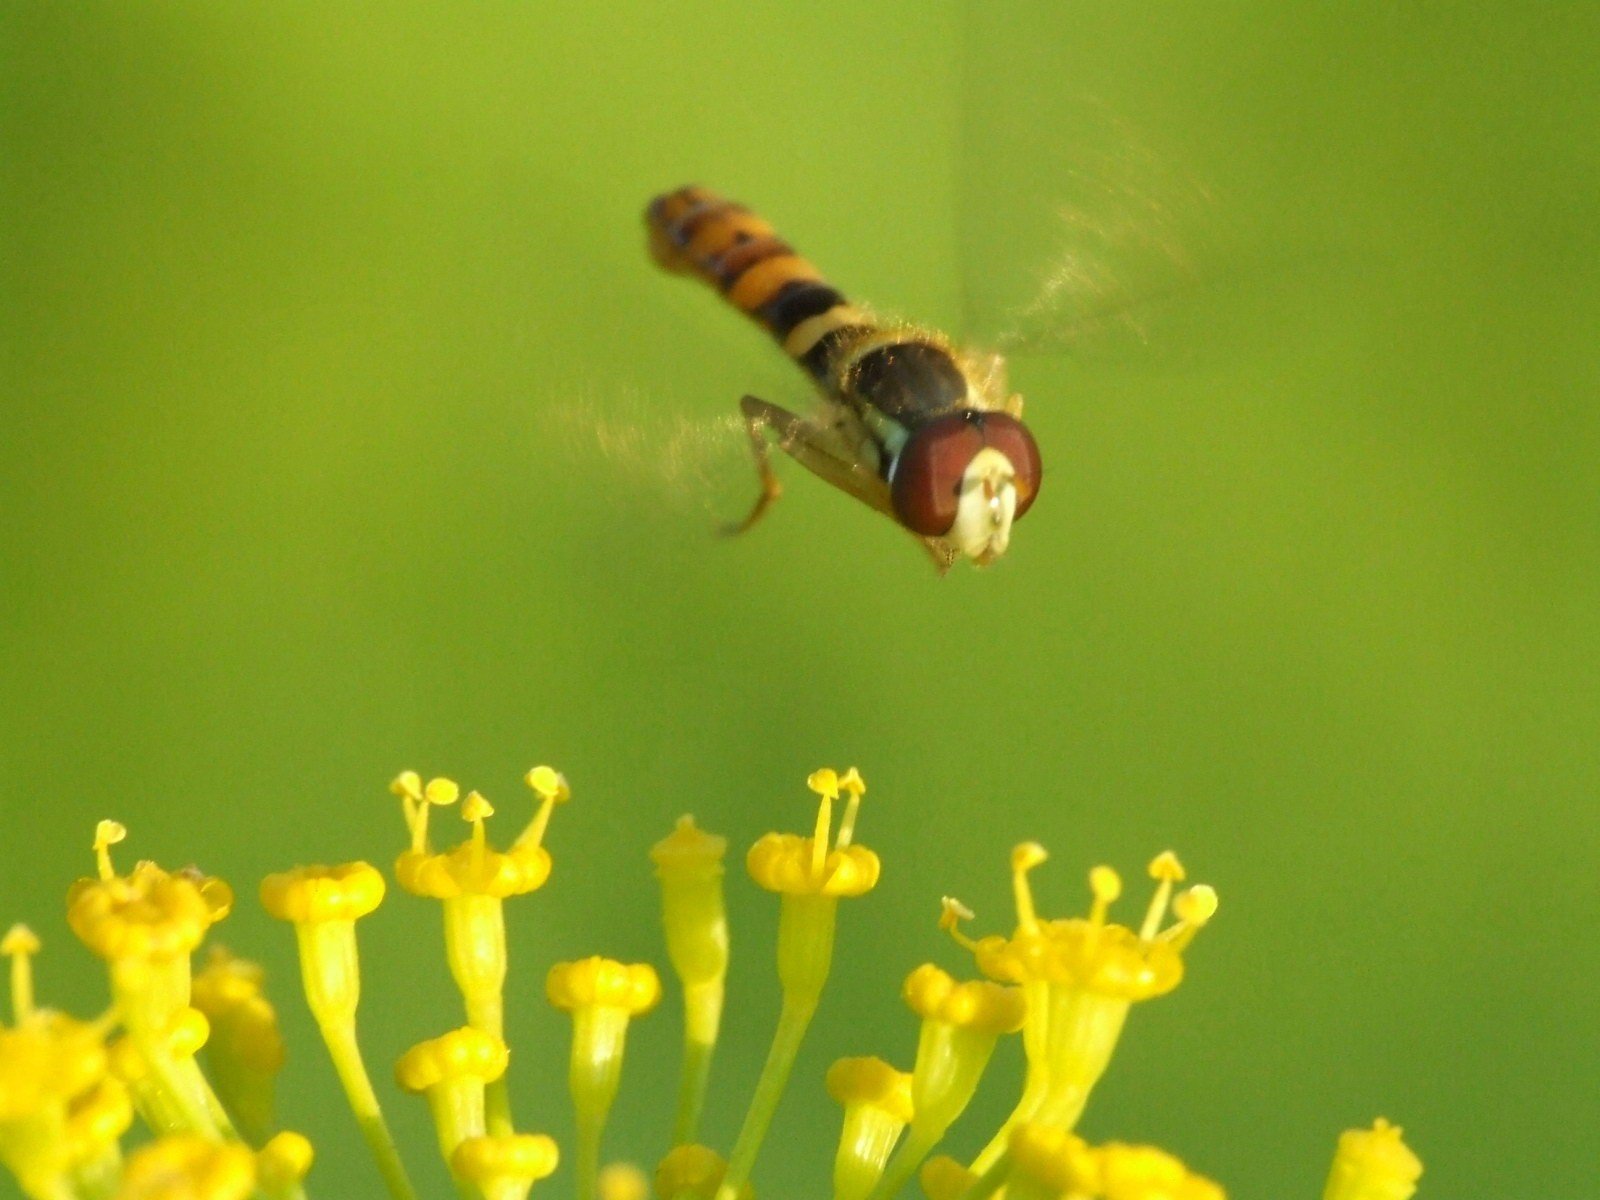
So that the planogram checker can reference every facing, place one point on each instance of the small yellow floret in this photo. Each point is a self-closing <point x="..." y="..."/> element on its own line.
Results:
<point x="807" y="866"/>
<point x="148" y="914"/>
<point x="488" y="1159"/>
<point x="784" y="862"/>
<point x="689" y="852"/>
<point x="603" y="983"/>
<point x="1373" y="1164"/>
<point x="185" y="1166"/>
<point x="464" y="1053"/>
<point x="321" y="893"/>
<point x="871" y="1082"/>
<point x="285" y="1160"/>
<point x="473" y="868"/>
<point x="943" y="1178"/>
<point x="978" y="1005"/>
<point x="1091" y="954"/>
<point x="228" y="991"/>
<point x="692" y="1173"/>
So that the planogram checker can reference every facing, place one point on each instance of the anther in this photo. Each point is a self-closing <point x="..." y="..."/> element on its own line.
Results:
<point x="1106" y="886"/>
<point x="107" y="834"/>
<point x="1024" y="858"/>
<point x="1167" y="870"/>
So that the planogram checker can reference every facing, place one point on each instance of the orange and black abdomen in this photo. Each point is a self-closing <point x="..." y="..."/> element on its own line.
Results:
<point x="731" y="248"/>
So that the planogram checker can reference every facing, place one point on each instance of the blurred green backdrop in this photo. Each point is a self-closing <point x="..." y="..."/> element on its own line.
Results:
<point x="346" y="428"/>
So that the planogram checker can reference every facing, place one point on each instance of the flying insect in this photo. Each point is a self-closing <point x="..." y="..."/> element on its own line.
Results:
<point x="909" y="424"/>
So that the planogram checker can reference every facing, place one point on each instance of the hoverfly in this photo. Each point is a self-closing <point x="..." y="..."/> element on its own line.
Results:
<point x="908" y="424"/>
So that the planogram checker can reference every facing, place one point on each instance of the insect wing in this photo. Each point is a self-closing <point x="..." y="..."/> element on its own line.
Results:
<point x="1077" y="233"/>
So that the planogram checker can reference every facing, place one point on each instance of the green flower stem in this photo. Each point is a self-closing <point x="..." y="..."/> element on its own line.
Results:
<point x="599" y="1037"/>
<point x="692" y="1083"/>
<point x="475" y="946"/>
<point x="805" y="953"/>
<point x="352" y="1072"/>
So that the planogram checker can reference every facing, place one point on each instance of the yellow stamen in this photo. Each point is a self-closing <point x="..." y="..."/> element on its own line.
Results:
<point x="552" y="789"/>
<point x="1166" y="870"/>
<point x="408" y="787"/>
<point x="825" y="783"/>
<point x="20" y="944"/>
<point x="107" y="834"/>
<point x="1193" y="907"/>
<point x="477" y="810"/>
<point x="1025" y="858"/>
<point x="951" y="913"/>
<point x="850" y="782"/>
<point x="1106" y="885"/>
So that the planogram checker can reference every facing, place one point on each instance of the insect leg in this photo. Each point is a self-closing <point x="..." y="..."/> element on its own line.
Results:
<point x="814" y="447"/>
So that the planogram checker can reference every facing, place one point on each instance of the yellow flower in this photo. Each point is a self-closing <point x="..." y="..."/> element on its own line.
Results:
<point x="1080" y="976"/>
<point x="473" y="867"/>
<point x="451" y="1071"/>
<point x="472" y="880"/>
<point x="632" y="988"/>
<point x="145" y="925"/>
<point x="324" y="903"/>
<point x="245" y="1052"/>
<point x="877" y="1106"/>
<point x="979" y="1006"/>
<point x="793" y="865"/>
<point x="602" y="995"/>
<point x="1373" y="1164"/>
<point x="313" y="894"/>
<point x="810" y="878"/>
<point x="689" y="865"/>
<point x="960" y="1024"/>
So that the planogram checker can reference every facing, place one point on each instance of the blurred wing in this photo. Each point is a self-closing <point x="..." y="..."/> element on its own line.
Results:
<point x="1077" y="234"/>
<point x="662" y="461"/>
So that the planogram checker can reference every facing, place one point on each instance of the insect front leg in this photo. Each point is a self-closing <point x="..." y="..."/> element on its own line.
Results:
<point x="813" y="446"/>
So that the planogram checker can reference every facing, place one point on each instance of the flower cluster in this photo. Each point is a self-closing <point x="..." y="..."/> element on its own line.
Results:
<point x="193" y="1055"/>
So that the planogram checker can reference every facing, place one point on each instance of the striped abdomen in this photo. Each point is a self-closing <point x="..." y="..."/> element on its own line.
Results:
<point x="739" y="254"/>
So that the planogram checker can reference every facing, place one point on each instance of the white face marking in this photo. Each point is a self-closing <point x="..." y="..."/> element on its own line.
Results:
<point x="982" y="528"/>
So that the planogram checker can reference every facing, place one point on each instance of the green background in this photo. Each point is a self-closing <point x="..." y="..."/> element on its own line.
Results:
<point x="347" y="428"/>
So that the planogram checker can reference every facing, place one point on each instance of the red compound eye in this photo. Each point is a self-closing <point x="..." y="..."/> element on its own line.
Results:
<point x="1011" y="437"/>
<point x="926" y="487"/>
<point x="926" y="484"/>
